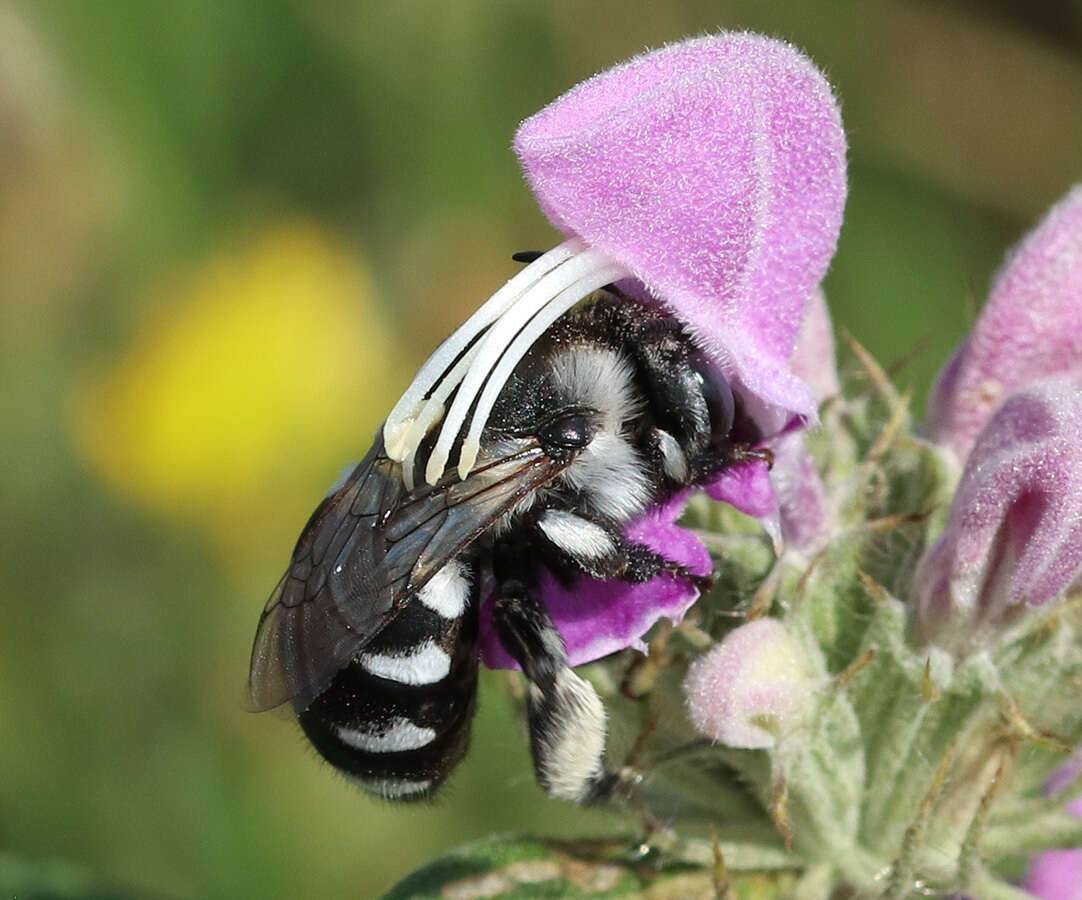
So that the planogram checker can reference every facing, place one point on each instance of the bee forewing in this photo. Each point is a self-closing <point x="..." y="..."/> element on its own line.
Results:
<point x="363" y="556"/>
<point x="320" y="614"/>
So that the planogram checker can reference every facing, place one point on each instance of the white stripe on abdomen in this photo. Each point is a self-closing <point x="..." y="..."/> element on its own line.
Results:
<point x="424" y="664"/>
<point x="391" y="788"/>
<point x="401" y="735"/>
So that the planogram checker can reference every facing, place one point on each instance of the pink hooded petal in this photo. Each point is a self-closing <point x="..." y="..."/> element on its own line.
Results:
<point x="805" y="517"/>
<point x="1030" y="328"/>
<point x="714" y="170"/>
<point x="1014" y="535"/>
<point x="597" y="618"/>
<point x="813" y="359"/>
<point x="750" y="688"/>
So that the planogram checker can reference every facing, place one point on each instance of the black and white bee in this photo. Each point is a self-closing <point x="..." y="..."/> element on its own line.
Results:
<point x="372" y="633"/>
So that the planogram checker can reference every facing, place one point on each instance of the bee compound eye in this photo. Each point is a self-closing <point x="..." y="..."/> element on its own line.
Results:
<point x="718" y="396"/>
<point x="566" y="434"/>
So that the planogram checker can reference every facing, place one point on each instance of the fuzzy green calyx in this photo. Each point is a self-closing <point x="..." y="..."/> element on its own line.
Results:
<point x="909" y="771"/>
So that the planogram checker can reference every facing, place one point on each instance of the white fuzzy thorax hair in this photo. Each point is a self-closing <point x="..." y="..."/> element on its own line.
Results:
<point x="609" y="472"/>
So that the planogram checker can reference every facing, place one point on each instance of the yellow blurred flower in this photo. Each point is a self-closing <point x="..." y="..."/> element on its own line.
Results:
<point x="257" y="377"/>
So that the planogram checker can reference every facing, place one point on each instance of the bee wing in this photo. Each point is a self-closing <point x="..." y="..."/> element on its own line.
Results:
<point x="313" y="623"/>
<point x="364" y="554"/>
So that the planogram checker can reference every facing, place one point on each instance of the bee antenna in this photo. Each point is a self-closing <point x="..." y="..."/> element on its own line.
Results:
<point x="527" y="256"/>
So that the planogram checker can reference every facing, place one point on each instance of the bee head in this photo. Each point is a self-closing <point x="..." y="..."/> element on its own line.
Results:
<point x="578" y="401"/>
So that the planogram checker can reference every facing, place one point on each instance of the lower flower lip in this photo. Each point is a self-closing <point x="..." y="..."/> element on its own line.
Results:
<point x="599" y="617"/>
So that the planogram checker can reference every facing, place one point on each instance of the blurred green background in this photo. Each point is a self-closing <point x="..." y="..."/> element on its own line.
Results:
<point x="229" y="232"/>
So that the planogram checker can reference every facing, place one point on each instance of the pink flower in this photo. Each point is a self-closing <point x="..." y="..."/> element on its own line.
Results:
<point x="597" y="618"/>
<point x="806" y="519"/>
<point x="709" y="176"/>
<point x="1009" y="405"/>
<point x="1014" y="535"/>
<point x="1057" y="874"/>
<point x="814" y="359"/>
<point x="1030" y="328"/>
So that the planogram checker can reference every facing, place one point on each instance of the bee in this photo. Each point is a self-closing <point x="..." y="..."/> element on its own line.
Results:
<point x="372" y="633"/>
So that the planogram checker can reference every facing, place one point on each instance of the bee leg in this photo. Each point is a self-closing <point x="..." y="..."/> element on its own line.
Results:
<point x="643" y="564"/>
<point x="600" y="551"/>
<point x="669" y="456"/>
<point x="567" y="720"/>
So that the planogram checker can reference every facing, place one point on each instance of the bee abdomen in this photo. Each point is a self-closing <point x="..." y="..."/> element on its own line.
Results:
<point x="406" y="752"/>
<point x="396" y="720"/>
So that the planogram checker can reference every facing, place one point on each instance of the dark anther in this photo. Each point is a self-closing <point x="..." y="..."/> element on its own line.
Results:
<point x="704" y="583"/>
<point x="745" y="454"/>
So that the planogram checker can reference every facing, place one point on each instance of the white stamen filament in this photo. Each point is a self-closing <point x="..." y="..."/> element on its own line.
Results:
<point x="408" y="407"/>
<point x="537" y="326"/>
<point x="560" y="289"/>
<point x="432" y="412"/>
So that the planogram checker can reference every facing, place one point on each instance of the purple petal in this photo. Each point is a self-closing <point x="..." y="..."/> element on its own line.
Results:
<point x="1056" y="875"/>
<point x="1064" y="775"/>
<point x="1014" y="535"/>
<point x="714" y="170"/>
<point x="1030" y="328"/>
<point x="751" y="688"/>
<point x="597" y="618"/>
<point x="748" y="487"/>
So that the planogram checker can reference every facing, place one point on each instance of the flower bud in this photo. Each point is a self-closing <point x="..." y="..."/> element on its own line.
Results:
<point x="752" y="688"/>
<point x="1014" y="534"/>
<point x="1029" y="329"/>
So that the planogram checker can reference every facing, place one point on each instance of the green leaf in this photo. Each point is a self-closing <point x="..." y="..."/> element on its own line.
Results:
<point x="518" y="867"/>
